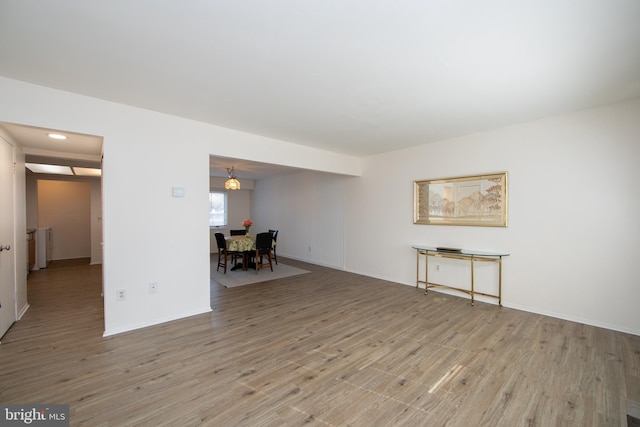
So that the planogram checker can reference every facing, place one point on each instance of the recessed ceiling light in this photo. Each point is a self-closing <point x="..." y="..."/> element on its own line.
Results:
<point x="53" y="169"/>
<point x="57" y="136"/>
<point x="87" y="171"/>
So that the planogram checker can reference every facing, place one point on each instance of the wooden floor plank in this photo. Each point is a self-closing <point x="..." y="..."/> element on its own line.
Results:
<point x="327" y="348"/>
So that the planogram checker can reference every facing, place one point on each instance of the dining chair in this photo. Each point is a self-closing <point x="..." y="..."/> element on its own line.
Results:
<point x="274" y="233"/>
<point x="236" y="255"/>
<point x="263" y="249"/>
<point x="223" y="253"/>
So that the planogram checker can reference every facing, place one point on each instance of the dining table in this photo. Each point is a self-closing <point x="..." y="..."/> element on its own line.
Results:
<point x="241" y="243"/>
<point x="245" y="245"/>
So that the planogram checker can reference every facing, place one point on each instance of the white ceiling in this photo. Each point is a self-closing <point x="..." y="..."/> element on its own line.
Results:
<point x="352" y="76"/>
<point x="35" y="142"/>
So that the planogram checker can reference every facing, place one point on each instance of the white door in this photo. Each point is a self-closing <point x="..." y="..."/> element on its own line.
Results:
<point x="7" y="254"/>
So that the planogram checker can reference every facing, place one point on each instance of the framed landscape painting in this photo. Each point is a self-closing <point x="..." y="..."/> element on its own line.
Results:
<point x="468" y="200"/>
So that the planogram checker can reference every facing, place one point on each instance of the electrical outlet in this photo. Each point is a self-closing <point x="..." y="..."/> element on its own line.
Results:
<point x="437" y="267"/>
<point x="153" y="288"/>
<point x="121" y="294"/>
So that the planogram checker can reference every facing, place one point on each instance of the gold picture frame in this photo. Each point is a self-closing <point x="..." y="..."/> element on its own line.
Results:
<point x="479" y="200"/>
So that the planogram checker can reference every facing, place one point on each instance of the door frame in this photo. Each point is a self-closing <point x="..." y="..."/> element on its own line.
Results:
<point x="9" y="258"/>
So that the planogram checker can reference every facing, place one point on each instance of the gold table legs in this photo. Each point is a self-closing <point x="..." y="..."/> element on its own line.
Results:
<point x="472" y="258"/>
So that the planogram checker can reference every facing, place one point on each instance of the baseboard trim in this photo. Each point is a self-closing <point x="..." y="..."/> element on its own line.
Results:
<point x="23" y="311"/>
<point x="128" y="328"/>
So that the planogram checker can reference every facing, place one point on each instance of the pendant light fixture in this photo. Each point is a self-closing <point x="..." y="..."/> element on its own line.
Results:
<point x="232" y="183"/>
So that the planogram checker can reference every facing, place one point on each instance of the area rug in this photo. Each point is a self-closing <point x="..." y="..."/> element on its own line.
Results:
<point x="240" y="278"/>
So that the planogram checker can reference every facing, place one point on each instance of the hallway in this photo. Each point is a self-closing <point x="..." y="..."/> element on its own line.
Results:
<point x="64" y="298"/>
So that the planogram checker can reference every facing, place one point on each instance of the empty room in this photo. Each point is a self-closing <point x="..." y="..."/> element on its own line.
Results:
<point x="453" y="187"/>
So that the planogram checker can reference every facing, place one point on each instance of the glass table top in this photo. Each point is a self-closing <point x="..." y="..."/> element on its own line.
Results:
<point x="458" y="251"/>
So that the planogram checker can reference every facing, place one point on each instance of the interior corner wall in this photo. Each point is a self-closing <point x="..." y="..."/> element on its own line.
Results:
<point x="308" y="211"/>
<point x="573" y="212"/>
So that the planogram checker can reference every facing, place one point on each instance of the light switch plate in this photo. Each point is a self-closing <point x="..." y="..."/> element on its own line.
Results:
<point x="177" y="191"/>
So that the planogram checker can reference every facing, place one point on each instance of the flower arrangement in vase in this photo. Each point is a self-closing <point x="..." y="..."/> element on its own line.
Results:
<point x="246" y="224"/>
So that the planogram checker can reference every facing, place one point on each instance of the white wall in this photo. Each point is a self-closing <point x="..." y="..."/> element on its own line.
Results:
<point x="574" y="213"/>
<point x="94" y="236"/>
<point x="307" y="209"/>
<point x="65" y="207"/>
<point x="150" y="236"/>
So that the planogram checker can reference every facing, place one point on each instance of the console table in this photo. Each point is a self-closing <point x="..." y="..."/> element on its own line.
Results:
<point x="463" y="254"/>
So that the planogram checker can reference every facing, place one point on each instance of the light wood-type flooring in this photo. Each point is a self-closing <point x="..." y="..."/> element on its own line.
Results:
<point x="327" y="348"/>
